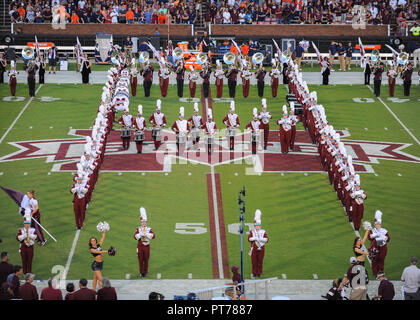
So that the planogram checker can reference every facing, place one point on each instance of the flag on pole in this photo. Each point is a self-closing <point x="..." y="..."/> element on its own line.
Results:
<point x="318" y="54"/>
<point x="38" y="54"/>
<point x="79" y="54"/>
<point x="362" y="53"/>
<point x="395" y="52"/>
<point x="16" y="195"/>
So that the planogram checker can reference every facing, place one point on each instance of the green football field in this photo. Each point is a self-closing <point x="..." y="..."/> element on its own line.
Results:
<point x="308" y="230"/>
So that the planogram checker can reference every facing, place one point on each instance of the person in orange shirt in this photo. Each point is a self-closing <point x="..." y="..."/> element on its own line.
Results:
<point x="21" y="11"/>
<point x="233" y="49"/>
<point x="162" y="18"/>
<point x="74" y="17"/>
<point x="130" y="16"/>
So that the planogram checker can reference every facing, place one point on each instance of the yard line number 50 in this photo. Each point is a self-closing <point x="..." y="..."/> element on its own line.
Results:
<point x="199" y="228"/>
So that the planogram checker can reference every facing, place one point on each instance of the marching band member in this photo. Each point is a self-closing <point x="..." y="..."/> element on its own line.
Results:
<point x="158" y="121"/>
<point x="126" y="122"/>
<point x="147" y="74"/>
<point x="293" y="120"/>
<point x="3" y="65"/>
<point x="143" y="235"/>
<point x="258" y="238"/>
<point x="42" y="66"/>
<point x="357" y="196"/>
<point x="205" y="74"/>
<point x="325" y="70"/>
<point x="192" y="81"/>
<point x="26" y="236"/>
<point x="180" y="70"/>
<point x="196" y="124"/>
<point x="211" y="129"/>
<point x="181" y="127"/>
<point x="31" y="71"/>
<point x="12" y="78"/>
<point x="274" y="75"/>
<point x="219" y="74"/>
<point x="265" y="117"/>
<point x="377" y="79"/>
<point x="254" y="126"/>
<point x="406" y="76"/>
<point x="36" y="215"/>
<point x="79" y="189"/>
<point x="231" y="74"/>
<point x="231" y="120"/>
<point x="392" y="75"/>
<point x="379" y="237"/>
<point x="164" y="73"/>
<point x="133" y="77"/>
<point x="245" y="76"/>
<point x="285" y="131"/>
<point x="140" y="126"/>
<point x="260" y="75"/>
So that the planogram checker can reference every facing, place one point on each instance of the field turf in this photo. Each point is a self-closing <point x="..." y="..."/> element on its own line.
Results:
<point x="306" y="224"/>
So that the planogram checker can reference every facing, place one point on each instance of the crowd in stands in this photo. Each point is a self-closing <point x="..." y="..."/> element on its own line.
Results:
<point x="219" y="12"/>
<point x="311" y="11"/>
<point x="97" y="11"/>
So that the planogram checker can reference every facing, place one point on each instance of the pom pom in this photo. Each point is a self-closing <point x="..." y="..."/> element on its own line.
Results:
<point x="103" y="226"/>
<point x="367" y="225"/>
<point x="112" y="251"/>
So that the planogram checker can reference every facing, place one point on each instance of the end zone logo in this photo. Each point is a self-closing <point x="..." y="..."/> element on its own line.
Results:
<point x="65" y="153"/>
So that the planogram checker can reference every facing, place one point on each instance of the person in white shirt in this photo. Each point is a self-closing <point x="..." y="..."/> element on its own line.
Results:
<point x="411" y="279"/>
<point x="226" y="17"/>
<point x="114" y="15"/>
<point x="393" y="4"/>
<point x="81" y="3"/>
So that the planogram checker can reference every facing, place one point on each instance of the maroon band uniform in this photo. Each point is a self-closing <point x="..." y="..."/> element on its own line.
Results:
<point x="26" y="237"/>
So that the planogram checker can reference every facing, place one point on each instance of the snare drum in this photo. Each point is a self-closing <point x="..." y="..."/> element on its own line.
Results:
<point x="195" y="133"/>
<point x="139" y="136"/>
<point x="255" y="136"/>
<point x="157" y="133"/>
<point x="181" y="138"/>
<point x="230" y="132"/>
<point x="210" y="139"/>
<point x="125" y="132"/>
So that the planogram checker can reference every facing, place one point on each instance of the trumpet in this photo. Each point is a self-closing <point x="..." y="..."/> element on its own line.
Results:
<point x="28" y="53"/>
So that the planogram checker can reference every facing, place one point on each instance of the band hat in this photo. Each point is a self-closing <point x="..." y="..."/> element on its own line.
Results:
<point x="264" y="103"/>
<point x="232" y="106"/>
<point x="195" y="107"/>
<point x="27" y="221"/>
<point x="158" y="104"/>
<point x="255" y="112"/>
<point x="284" y="110"/>
<point x="382" y="274"/>
<point x="353" y="260"/>
<point x="378" y="217"/>
<point x="143" y="215"/>
<point x="140" y="109"/>
<point x="209" y="114"/>
<point x="181" y="112"/>
<point x="257" y="217"/>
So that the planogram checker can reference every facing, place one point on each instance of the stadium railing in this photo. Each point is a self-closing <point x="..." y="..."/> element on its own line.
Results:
<point x="250" y="286"/>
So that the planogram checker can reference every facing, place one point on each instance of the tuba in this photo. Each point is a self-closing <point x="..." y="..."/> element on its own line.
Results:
<point x="144" y="57"/>
<point x="28" y="53"/>
<point x="285" y="56"/>
<point x="402" y="58"/>
<point x="375" y="56"/>
<point x="229" y="58"/>
<point x="258" y="58"/>
<point x="178" y="53"/>
<point x="202" y="58"/>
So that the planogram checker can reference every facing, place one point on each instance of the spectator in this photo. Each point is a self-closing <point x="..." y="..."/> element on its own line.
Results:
<point x="411" y="279"/>
<point x="332" y="50"/>
<point x="38" y="16"/>
<point x="107" y="292"/>
<point x="114" y="15"/>
<point x="128" y="47"/>
<point x="84" y="293"/>
<point x="299" y="55"/>
<point x="129" y="16"/>
<point x="70" y="291"/>
<point x="226" y="17"/>
<point x="162" y="18"/>
<point x="154" y="17"/>
<point x="236" y="279"/>
<point x="52" y="58"/>
<point x="13" y="280"/>
<point x="241" y="16"/>
<point x="6" y="292"/>
<point x="15" y="15"/>
<point x="50" y="292"/>
<point x="28" y="291"/>
<point x="30" y="15"/>
<point x="334" y="293"/>
<point x="74" y="17"/>
<point x="359" y="285"/>
<point x="386" y="288"/>
<point x="5" y="267"/>
<point x="156" y="296"/>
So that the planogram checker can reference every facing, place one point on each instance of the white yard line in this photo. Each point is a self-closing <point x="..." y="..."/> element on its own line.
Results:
<point x="216" y="222"/>
<point x="73" y="247"/>
<point x="396" y="118"/>
<point x="18" y="116"/>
